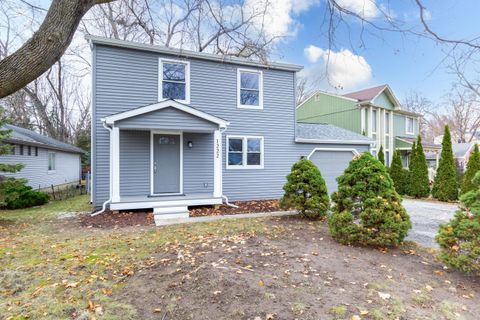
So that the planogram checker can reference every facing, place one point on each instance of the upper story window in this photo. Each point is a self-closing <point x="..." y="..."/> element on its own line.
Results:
<point x="374" y="121"/>
<point x="409" y="125"/>
<point x="387" y="122"/>
<point x="174" y="80"/>
<point x="249" y="89"/>
<point x="244" y="152"/>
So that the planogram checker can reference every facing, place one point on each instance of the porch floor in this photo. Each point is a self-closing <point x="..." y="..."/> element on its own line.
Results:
<point x="148" y="202"/>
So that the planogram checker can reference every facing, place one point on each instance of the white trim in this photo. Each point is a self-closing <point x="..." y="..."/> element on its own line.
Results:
<point x="165" y="104"/>
<point x="370" y="122"/>
<point x="325" y="93"/>
<point x="352" y="150"/>
<point x="187" y="78"/>
<point x="130" y="205"/>
<point x="406" y="125"/>
<point x="362" y="120"/>
<point x="178" y="133"/>
<point x="54" y="170"/>
<point x="244" y="152"/>
<point x="217" y="164"/>
<point x="116" y="164"/>
<point x="260" y="88"/>
<point x="305" y="140"/>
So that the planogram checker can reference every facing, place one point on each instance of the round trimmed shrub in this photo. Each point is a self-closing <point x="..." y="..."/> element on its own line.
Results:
<point x="367" y="210"/>
<point x="459" y="239"/>
<point x="306" y="191"/>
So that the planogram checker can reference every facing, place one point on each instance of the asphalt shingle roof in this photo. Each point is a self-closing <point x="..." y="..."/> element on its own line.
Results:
<point x="324" y="131"/>
<point x="22" y="135"/>
<point x="366" y="94"/>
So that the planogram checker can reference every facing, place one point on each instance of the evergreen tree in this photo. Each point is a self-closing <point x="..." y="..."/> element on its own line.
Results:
<point x="419" y="186"/>
<point x="445" y="186"/>
<point x="473" y="167"/>
<point x="381" y="155"/>
<point x="398" y="173"/>
<point x="367" y="210"/>
<point x="306" y="191"/>
<point x="411" y="164"/>
<point x="6" y="148"/>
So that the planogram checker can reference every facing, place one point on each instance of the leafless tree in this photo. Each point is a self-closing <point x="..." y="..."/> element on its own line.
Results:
<point x="414" y="101"/>
<point x="462" y="114"/>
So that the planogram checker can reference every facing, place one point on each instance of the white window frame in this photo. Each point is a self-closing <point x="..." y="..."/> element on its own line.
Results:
<point x="387" y="123"/>
<point x="245" y="152"/>
<point x="406" y="125"/>
<point x="187" y="79"/>
<point x="260" y="88"/>
<point x="54" y="162"/>
<point x="375" y="120"/>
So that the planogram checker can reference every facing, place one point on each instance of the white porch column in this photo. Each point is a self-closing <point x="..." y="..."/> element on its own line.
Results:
<point x="115" y="141"/>
<point x="217" y="164"/>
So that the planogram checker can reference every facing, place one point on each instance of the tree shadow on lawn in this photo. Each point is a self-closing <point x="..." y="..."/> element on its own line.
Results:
<point x="296" y="270"/>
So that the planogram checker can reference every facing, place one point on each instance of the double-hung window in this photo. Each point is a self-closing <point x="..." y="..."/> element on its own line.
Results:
<point x="51" y="161"/>
<point x="409" y="125"/>
<point x="249" y="89"/>
<point x="374" y="121"/>
<point x="387" y="122"/>
<point x="244" y="152"/>
<point x="174" y="80"/>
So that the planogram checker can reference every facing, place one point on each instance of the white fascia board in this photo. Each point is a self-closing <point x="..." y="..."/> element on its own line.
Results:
<point x="326" y="141"/>
<point x="161" y="105"/>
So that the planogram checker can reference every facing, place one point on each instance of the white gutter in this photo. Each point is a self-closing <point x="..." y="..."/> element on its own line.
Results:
<point x="224" y="197"/>
<point x="104" y="205"/>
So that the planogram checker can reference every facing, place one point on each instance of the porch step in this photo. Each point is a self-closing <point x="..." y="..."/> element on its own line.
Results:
<point x="163" y="214"/>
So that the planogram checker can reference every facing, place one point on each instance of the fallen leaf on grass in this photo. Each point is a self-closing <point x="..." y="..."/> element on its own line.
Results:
<point x="355" y="317"/>
<point x="384" y="296"/>
<point x="158" y="310"/>
<point x="363" y="312"/>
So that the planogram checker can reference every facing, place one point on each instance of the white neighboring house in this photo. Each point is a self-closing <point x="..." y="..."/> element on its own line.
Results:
<point x="47" y="161"/>
<point x="461" y="154"/>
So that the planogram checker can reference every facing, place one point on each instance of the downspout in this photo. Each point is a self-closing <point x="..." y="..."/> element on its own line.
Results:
<point x="224" y="197"/>
<point x="104" y="205"/>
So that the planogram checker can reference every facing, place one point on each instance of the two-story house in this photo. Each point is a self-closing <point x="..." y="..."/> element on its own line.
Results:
<point x="175" y="128"/>
<point x="374" y="112"/>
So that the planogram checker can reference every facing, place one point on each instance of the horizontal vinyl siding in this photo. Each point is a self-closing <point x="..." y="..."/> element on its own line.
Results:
<point x="198" y="163"/>
<point x="36" y="167"/>
<point x="168" y="118"/>
<point x="399" y="126"/>
<point x="134" y="162"/>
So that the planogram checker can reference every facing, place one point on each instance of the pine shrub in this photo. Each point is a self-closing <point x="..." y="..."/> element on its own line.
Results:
<point x="459" y="239"/>
<point x="419" y="184"/>
<point x="306" y="191"/>
<point x="399" y="174"/>
<point x="445" y="186"/>
<point x="381" y="155"/>
<point x="367" y="210"/>
<point x="15" y="194"/>
<point x="473" y="167"/>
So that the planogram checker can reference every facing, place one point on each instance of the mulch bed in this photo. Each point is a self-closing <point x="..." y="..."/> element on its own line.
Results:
<point x="114" y="220"/>
<point x="253" y="206"/>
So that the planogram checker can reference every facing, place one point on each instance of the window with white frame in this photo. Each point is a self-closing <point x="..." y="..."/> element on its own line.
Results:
<point x="51" y="161"/>
<point x="387" y="158"/>
<point x="174" y="80"/>
<point x="244" y="152"/>
<point x="409" y="125"/>
<point x="374" y="121"/>
<point x="250" y="89"/>
<point x="387" y="122"/>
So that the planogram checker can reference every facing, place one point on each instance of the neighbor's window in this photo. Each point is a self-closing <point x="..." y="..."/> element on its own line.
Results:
<point x="51" y="161"/>
<point x="174" y="80"/>
<point x="29" y="150"/>
<point x="36" y="151"/>
<point x="409" y="125"/>
<point x="245" y="152"/>
<point x="374" y="121"/>
<point x="387" y="122"/>
<point x="12" y="150"/>
<point x="387" y="158"/>
<point x="21" y="149"/>
<point x="250" y="89"/>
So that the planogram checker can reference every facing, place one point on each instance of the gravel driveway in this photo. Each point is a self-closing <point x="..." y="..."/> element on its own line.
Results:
<point x="426" y="216"/>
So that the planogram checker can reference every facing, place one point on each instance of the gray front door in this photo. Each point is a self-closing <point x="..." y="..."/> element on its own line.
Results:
<point x="166" y="163"/>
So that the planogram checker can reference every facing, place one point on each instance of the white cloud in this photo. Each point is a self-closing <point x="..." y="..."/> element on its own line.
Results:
<point x="279" y="19"/>
<point x="367" y="9"/>
<point x="341" y="70"/>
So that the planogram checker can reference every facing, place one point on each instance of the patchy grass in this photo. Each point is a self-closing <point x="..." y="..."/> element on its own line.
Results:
<point x="338" y="311"/>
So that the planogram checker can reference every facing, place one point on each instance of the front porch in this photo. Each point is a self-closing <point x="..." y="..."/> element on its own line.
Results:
<point x="166" y="157"/>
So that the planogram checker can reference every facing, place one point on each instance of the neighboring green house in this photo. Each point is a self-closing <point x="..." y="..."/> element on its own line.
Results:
<point x="374" y="112"/>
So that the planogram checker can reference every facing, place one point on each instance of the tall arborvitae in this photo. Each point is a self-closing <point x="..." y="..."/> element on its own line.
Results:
<point x="473" y="167"/>
<point x="445" y="186"/>
<point x="411" y="163"/>
<point x="381" y="155"/>
<point x="419" y="186"/>
<point x="398" y="173"/>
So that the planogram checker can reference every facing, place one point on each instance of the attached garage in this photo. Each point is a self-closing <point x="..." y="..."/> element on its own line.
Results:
<point x="331" y="148"/>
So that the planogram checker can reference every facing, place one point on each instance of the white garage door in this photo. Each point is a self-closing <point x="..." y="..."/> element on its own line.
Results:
<point x="332" y="163"/>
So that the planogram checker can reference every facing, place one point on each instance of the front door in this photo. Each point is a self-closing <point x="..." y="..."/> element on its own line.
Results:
<point x="166" y="163"/>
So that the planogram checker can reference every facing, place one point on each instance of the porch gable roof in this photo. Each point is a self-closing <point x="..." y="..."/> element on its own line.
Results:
<point x="169" y="103"/>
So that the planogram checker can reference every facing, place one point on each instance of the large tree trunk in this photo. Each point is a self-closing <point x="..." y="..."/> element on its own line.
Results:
<point x="45" y="47"/>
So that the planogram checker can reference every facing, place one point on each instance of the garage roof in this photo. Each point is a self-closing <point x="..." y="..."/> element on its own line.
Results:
<point x="327" y="133"/>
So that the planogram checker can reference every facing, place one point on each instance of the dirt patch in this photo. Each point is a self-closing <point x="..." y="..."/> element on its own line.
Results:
<point x="295" y="270"/>
<point x="243" y="207"/>
<point x="113" y="220"/>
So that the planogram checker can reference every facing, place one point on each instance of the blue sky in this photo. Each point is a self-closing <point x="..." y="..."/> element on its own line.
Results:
<point x="405" y="62"/>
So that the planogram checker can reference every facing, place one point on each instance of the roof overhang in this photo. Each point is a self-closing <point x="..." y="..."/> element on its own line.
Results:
<point x="110" y="120"/>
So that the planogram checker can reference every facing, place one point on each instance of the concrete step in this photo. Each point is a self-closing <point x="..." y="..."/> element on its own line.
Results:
<point x="163" y="214"/>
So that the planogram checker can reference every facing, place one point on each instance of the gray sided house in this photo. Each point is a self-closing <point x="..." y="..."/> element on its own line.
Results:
<point x="175" y="128"/>
<point x="47" y="161"/>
